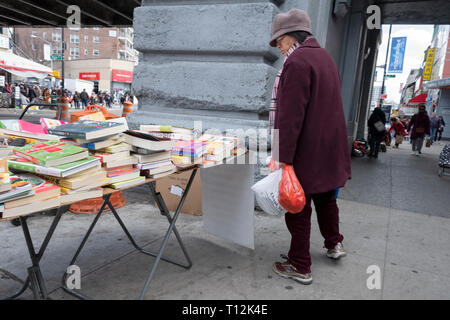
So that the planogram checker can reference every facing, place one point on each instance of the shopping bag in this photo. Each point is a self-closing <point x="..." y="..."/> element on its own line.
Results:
<point x="266" y="193"/>
<point x="428" y="143"/>
<point x="379" y="126"/>
<point x="398" y="139"/>
<point x="291" y="195"/>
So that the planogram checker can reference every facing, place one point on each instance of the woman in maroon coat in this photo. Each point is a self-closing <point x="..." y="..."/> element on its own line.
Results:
<point x="312" y="137"/>
<point x="420" y="124"/>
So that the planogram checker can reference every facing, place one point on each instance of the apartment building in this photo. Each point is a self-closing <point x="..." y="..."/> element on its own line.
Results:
<point x="82" y="43"/>
<point x="109" y="47"/>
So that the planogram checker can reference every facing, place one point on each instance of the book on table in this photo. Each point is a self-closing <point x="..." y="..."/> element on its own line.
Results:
<point x="125" y="177"/>
<point x="93" y="184"/>
<point x="104" y="143"/>
<point x="47" y="123"/>
<point x="153" y="171"/>
<point x="145" y="140"/>
<point x="30" y="137"/>
<point x="153" y="165"/>
<point x="120" y="162"/>
<point x="165" y="128"/>
<point x="37" y="206"/>
<point x="110" y="157"/>
<point x="88" y="129"/>
<point x="81" y="195"/>
<point x="127" y="183"/>
<point x="158" y="156"/>
<point x="77" y="181"/>
<point x="162" y="174"/>
<point x="19" y="189"/>
<point x="117" y="171"/>
<point x="42" y="190"/>
<point x="31" y="127"/>
<point x="5" y="183"/>
<point x="52" y="153"/>
<point x="119" y="147"/>
<point x="63" y="170"/>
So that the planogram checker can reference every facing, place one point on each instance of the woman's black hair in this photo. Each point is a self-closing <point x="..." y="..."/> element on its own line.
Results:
<point x="300" y="36"/>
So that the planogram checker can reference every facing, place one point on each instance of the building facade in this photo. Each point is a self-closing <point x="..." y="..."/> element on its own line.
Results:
<point x="107" y="74"/>
<point x="81" y="44"/>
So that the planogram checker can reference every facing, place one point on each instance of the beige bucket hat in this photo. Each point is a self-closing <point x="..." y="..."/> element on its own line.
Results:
<point x="293" y="20"/>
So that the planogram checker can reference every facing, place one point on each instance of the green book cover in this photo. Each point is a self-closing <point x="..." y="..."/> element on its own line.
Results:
<point x="43" y="153"/>
<point x="62" y="170"/>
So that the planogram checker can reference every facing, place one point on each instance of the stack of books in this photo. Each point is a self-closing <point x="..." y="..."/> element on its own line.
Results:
<point x="220" y="148"/>
<point x="152" y="155"/>
<point x="31" y="194"/>
<point x="70" y="167"/>
<point x="124" y="177"/>
<point x="188" y="153"/>
<point x="105" y="141"/>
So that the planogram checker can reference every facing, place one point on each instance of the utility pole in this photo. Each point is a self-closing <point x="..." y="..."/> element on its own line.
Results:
<point x="385" y="65"/>
<point x="62" y="61"/>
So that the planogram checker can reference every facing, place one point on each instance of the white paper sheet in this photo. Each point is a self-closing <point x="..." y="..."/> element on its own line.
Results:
<point x="228" y="202"/>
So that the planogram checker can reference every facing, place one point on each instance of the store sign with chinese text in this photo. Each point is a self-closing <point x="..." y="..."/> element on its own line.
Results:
<point x="428" y="65"/>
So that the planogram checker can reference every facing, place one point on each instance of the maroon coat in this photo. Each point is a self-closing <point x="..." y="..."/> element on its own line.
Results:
<point x="420" y="123"/>
<point x="310" y="119"/>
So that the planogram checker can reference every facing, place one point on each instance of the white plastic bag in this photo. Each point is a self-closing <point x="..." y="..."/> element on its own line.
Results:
<point x="266" y="192"/>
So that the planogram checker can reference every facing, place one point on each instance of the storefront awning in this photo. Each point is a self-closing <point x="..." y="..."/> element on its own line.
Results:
<point x="438" y="84"/>
<point x="23" y="67"/>
<point x="420" y="99"/>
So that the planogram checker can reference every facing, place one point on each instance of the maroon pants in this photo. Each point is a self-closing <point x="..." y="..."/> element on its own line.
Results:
<point x="299" y="225"/>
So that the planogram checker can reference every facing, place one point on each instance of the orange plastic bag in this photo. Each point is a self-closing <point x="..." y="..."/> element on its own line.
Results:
<point x="290" y="192"/>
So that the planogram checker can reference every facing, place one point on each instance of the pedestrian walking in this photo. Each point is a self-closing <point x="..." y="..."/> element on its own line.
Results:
<point x="419" y="126"/>
<point x="84" y="98"/>
<point x="308" y="114"/>
<point x="76" y="100"/>
<point x="377" y="131"/>
<point x="108" y="100"/>
<point x="440" y="129"/>
<point x="399" y="131"/>
<point x="434" y="126"/>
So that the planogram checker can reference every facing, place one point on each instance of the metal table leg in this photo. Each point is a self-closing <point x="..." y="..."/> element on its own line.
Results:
<point x="169" y="231"/>
<point x="35" y="280"/>
<point x="164" y="211"/>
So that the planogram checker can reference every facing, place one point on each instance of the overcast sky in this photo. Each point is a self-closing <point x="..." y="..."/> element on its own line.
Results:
<point x="418" y="40"/>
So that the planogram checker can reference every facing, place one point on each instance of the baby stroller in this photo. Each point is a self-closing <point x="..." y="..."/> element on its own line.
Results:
<point x="444" y="161"/>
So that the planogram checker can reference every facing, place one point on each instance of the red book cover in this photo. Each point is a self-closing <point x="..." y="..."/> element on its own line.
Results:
<point x="119" y="172"/>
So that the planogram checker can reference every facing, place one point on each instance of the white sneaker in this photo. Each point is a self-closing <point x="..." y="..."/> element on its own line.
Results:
<point x="413" y="153"/>
<point x="337" y="252"/>
<point x="417" y="153"/>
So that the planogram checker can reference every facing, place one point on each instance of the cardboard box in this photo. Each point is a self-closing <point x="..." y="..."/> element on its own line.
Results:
<point x="172" y="188"/>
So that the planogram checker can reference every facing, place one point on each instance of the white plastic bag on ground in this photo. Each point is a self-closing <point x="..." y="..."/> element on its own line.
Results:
<point x="266" y="192"/>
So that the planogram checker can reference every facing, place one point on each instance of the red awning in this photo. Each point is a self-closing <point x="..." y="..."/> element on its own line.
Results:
<point x="420" y="99"/>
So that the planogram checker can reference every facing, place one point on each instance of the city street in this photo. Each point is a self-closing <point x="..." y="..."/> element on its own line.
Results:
<point x="394" y="215"/>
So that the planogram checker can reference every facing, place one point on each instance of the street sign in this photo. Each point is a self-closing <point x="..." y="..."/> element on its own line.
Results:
<point x="59" y="57"/>
<point x="390" y="76"/>
<point x="383" y="96"/>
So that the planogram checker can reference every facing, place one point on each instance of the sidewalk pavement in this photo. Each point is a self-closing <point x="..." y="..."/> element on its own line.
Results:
<point x="394" y="215"/>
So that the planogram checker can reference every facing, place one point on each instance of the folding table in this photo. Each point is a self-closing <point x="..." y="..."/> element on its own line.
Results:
<point x="237" y="203"/>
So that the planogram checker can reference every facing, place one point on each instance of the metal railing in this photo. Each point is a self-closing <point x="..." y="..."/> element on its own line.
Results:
<point x="45" y="105"/>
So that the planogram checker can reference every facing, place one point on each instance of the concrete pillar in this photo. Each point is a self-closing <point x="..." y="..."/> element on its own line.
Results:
<point x="208" y="62"/>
